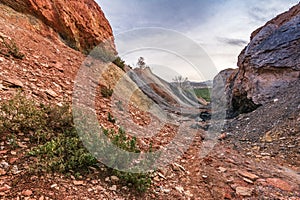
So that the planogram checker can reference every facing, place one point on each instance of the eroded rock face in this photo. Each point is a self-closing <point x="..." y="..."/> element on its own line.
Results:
<point x="271" y="60"/>
<point x="168" y="96"/>
<point x="81" y="24"/>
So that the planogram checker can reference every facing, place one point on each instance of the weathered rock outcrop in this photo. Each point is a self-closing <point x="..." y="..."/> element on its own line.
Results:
<point x="168" y="96"/>
<point x="81" y="24"/>
<point x="271" y="60"/>
<point x="222" y="84"/>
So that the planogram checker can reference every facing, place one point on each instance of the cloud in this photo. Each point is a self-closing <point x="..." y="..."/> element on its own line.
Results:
<point x="231" y="41"/>
<point x="264" y="10"/>
<point x="173" y="14"/>
<point x="221" y="27"/>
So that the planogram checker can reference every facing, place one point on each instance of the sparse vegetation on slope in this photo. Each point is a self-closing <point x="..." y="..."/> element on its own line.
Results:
<point x="57" y="145"/>
<point x="140" y="181"/>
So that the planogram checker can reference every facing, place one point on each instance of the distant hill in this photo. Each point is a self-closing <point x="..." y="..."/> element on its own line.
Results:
<point x="205" y="84"/>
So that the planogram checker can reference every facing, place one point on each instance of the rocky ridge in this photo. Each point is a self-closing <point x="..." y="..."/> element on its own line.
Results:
<point x="270" y="61"/>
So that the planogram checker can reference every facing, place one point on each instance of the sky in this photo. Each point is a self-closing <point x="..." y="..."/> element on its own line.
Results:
<point x="219" y="28"/>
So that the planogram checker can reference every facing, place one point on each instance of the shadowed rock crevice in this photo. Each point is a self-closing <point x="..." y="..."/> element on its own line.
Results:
<point x="241" y="104"/>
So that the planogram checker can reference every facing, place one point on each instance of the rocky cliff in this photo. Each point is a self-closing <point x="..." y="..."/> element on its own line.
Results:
<point x="270" y="61"/>
<point x="81" y="24"/>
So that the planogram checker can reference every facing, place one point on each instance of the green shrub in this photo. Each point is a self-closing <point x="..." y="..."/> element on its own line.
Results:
<point x="125" y="143"/>
<point x="50" y="126"/>
<point x="139" y="181"/>
<point x="37" y="121"/>
<point x="121" y="140"/>
<point x="119" y="62"/>
<point x="22" y="115"/>
<point x="64" y="154"/>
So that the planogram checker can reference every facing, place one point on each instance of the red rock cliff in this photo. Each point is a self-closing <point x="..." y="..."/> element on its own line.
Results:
<point x="81" y="24"/>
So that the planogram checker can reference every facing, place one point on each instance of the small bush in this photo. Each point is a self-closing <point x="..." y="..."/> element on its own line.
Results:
<point x="11" y="48"/>
<point x="64" y="153"/>
<point x="106" y="92"/>
<point x="22" y="115"/>
<point x="60" y="148"/>
<point x="37" y="121"/>
<point x="14" y="50"/>
<point x="119" y="62"/>
<point x="139" y="181"/>
<point x="121" y="140"/>
<point x="111" y="119"/>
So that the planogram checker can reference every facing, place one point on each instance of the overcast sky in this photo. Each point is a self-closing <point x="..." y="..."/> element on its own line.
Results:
<point x="221" y="28"/>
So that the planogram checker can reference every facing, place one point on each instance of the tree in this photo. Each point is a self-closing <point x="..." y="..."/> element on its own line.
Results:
<point x="180" y="81"/>
<point x="141" y="63"/>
